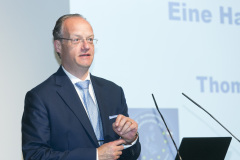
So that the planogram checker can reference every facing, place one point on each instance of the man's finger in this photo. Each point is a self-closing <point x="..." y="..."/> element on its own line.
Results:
<point x="119" y="142"/>
<point x="119" y="153"/>
<point x="118" y="119"/>
<point x="127" y="125"/>
<point x="122" y="123"/>
<point x="119" y="148"/>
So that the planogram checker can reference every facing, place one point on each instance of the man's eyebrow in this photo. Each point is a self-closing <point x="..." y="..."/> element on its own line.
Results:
<point x="90" y="36"/>
<point x="77" y="35"/>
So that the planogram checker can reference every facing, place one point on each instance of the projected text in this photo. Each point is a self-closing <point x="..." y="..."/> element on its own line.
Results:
<point x="208" y="84"/>
<point x="182" y="12"/>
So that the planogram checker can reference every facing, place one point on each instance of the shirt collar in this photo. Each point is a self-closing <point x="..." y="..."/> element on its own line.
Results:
<point x="75" y="79"/>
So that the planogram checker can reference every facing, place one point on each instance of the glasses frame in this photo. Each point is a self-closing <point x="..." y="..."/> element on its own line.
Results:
<point x="79" y="40"/>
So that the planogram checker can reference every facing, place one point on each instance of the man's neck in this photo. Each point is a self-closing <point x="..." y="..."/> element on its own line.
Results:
<point x="80" y="73"/>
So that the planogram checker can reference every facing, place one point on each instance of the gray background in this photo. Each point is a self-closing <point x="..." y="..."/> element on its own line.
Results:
<point x="26" y="59"/>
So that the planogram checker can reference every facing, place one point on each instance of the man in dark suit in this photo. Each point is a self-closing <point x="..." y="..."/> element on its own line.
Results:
<point x="57" y="123"/>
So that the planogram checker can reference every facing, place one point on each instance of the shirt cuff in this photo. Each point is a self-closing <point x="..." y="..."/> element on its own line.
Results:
<point x="124" y="145"/>
<point x="130" y="145"/>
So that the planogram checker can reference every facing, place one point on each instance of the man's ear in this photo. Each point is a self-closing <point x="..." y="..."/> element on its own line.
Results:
<point x="58" y="46"/>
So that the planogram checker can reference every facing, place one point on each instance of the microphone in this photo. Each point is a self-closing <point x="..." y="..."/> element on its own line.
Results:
<point x="167" y="127"/>
<point x="210" y="115"/>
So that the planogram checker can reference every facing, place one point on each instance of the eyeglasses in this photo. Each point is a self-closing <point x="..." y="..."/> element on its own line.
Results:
<point x="78" y="40"/>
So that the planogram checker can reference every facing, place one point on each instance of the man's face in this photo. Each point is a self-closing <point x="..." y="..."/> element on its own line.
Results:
<point x="76" y="57"/>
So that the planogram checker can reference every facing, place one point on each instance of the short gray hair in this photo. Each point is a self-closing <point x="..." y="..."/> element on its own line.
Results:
<point x="57" y="31"/>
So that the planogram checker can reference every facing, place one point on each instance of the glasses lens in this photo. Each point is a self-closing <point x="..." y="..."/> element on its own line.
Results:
<point x="95" y="41"/>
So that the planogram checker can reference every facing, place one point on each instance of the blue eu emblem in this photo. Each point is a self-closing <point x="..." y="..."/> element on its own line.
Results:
<point x="155" y="140"/>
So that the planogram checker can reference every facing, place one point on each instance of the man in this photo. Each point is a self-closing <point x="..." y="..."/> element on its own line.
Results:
<point x="64" y="120"/>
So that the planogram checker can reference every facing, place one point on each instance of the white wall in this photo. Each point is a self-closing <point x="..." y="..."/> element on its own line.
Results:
<point x="26" y="59"/>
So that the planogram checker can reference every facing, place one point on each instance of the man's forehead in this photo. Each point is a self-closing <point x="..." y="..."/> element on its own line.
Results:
<point x="73" y="23"/>
<point x="75" y="19"/>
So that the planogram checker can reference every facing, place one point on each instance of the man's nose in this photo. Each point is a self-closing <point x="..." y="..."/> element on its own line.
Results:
<point x="85" y="44"/>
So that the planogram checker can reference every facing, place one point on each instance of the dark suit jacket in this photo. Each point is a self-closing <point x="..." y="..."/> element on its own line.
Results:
<point x="55" y="124"/>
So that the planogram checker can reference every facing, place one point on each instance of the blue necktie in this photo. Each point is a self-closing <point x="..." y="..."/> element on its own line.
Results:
<point x="92" y="109"/>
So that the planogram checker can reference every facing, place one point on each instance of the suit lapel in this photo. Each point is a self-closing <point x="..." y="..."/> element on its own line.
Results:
<point x="70" y="97"/>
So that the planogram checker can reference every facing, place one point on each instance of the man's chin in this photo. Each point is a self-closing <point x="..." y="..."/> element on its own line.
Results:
<point x="84" y="66"/>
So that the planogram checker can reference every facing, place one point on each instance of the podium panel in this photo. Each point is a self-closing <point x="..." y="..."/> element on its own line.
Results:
<point x="154" y="138"/>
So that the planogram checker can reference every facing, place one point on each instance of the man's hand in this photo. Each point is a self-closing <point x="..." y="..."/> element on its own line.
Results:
<point x="111" y="150"/>
<point x="126" y="128"/>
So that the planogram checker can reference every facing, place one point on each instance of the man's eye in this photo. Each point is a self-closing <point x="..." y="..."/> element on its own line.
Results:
<point x="90" y="39"/>
<point x="76" y="40"/>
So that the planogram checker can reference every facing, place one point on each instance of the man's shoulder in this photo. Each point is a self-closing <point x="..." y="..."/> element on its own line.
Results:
<point x="48" y="84"/>
<point x="102" y="81"/>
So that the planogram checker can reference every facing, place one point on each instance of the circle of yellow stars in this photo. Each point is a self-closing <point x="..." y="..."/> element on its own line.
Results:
<point x="163" y="150"/>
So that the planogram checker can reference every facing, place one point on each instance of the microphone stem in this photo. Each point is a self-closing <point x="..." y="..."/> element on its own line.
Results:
<point x="210" y="115"/>
<point x="167" y="127"/>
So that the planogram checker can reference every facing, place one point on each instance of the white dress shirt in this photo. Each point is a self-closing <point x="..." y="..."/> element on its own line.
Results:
<point x="74" y="80"/>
